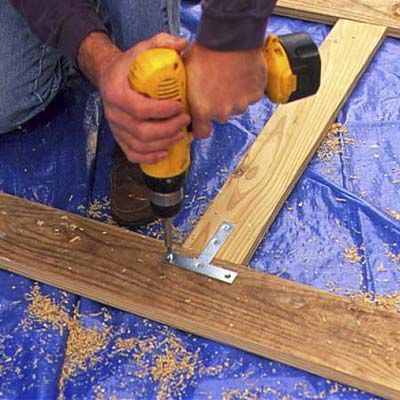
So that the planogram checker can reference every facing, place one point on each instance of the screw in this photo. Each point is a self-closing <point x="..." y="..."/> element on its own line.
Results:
<point x="216" y="242"/>
<point x="169" y="258"/>
<point x="199" y="265"/>
<point x="226" y="227"/>
<point x="228" y="276"/>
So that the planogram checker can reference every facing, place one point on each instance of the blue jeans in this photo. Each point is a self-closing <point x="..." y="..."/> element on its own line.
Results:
<point x="31" y="73"/>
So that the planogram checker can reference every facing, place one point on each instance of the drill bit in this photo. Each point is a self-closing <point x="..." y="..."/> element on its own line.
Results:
<point x="168" y="234"/>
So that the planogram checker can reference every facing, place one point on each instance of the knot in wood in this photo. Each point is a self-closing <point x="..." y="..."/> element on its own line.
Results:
<point x="396" y="10"/>
<point x="239" y="172"/>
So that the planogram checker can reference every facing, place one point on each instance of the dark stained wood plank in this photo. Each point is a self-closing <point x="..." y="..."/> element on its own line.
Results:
<point x="298" y="325"/>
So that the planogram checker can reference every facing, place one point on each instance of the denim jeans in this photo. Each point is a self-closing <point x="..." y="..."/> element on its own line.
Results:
<point x="31" y="73"/>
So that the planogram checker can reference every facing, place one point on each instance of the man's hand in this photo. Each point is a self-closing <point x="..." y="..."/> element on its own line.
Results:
<point x="144" y="128"/>
<point x="221" y="84"/>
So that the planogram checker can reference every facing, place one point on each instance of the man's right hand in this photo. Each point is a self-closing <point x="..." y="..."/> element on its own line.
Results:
<point x="144" y="128"/>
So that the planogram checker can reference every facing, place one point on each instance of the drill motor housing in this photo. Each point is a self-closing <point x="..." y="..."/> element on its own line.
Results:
<point x="293" y="72"/>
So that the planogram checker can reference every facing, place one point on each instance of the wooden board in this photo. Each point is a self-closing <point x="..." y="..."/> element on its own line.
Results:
<point x="285" y="321"/>
<point x="386" y="12"/>
<point x="254" y="194"/>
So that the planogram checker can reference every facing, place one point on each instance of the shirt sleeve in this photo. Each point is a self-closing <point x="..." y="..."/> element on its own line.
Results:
<point x="62" y="24"/>
<point x="234" y="24"/>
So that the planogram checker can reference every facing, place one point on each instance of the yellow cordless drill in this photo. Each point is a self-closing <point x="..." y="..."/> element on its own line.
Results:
<point x="294" y="69"/>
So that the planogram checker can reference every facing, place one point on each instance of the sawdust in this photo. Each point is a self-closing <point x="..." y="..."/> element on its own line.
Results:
<point x="154" y="230"/>
<point x="395" y="258"/>
<point x="126" y="344"/>
<point x="335" y="142"/>
<point x="45" y="311"/>
<point x="394" y="214"/>
<point x="236" y="394"/>
<point x="168" y="363"/>
<point x="306" y="394"/>
<point x="255" y="394"/>
<point x="381" y="268"/>
<point x="179" y="236"/>
<point x="388" y="302"/>
<point x="352" y="254"/>
<point x="99" y="209"/>
<point x="83" y="344"/>
<point x="175" y="365"/>
<point x="74" y="239"/>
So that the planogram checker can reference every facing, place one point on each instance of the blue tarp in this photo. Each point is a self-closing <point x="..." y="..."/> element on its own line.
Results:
<point x="343" y="205"/>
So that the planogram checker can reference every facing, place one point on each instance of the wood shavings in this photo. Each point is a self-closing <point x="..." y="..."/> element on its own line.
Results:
<point x="99" y="209"/>
<point x="176" y="364"/>
<point x="352" y="255"/>
<point x="306" y="394"/>
<point x="211" y="370"/>
<point x="171" y="366"/>
<point x="74" y="239"/>
<point x="83" y="344"/>
<point x="179" y="236"/>
<point x="255" y="394"/>
<point x="71" y="227"/>
<point x="236" y="394"/>
<point x="334" y="142"/>
<point x="39" y="222"/>
<point x="394" y="214"/>
<point x="389" y="302"/>
<point x="395" y="258"/>
<point x="126" y="344"/>
<point x="42" y="309"/>
<point x="381" y="268"/>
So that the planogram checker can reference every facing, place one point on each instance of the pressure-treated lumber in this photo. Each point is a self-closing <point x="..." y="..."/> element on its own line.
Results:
<point x="254" y="194"/>
<point x="386" y="13"/>
<point x="298" y="325"/>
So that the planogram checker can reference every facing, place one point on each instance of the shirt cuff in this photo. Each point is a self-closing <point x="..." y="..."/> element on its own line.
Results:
<point x="231" y="34"/>
<point x="74" y="30"/>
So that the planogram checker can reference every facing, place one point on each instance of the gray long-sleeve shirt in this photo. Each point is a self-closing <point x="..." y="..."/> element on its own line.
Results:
<point x="224" y="25"/>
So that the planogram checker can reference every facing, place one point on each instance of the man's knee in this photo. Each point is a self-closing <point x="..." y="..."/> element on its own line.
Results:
<point x="23" y="97"/>
<point x="30" y="72"/>
<point x="15" y="111"/>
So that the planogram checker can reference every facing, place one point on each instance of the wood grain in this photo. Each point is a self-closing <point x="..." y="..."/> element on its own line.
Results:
<point x="254" y="194"/>
<point x="385" y="13"/>
<point x="285" y="321"/>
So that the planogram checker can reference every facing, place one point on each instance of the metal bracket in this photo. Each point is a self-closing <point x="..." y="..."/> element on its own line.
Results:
<point x="202" y="264"/>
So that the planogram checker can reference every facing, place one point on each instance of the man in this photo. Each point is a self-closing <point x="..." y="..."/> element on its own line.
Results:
<point x="42" y="39"/>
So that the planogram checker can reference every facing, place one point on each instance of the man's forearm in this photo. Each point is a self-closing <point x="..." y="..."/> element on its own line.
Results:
<point x="234" y="24"/>
<point x="95" y="53"/>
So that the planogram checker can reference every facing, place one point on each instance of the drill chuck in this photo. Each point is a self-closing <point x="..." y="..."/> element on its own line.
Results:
<point x="166" y="194"/>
